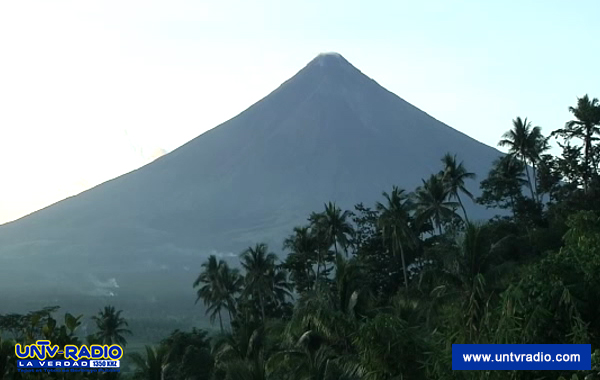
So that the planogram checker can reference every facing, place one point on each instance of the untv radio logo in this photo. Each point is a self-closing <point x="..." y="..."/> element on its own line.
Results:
<point x="95" y="358"/>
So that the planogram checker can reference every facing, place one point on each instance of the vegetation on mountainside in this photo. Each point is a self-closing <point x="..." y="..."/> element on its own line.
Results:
<point x="383" y="292"/>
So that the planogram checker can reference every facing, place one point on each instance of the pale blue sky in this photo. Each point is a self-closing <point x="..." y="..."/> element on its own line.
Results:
<point x="93" y="89"/>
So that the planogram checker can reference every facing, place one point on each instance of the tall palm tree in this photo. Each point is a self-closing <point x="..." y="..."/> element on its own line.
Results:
<point x="264" y="281"/>
<point x="210" y="288"/>
<point x="454" y="176"/>
<point x="538" y="145"/>
<point x="394" y="223"/>
<point x="520" y="141"/>
<point x="319" y="233"/>
<point x="336" y="226"/>
<point x="432" y="202"/>
<point x="585" y="127"/>
<point x="111" y="326"/>
<point x="232" y="283"/>
<point x="506" y="180"/>
<point x="302" y="257"/>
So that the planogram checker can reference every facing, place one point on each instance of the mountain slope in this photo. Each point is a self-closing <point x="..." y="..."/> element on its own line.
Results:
<point x="329" y="133"/>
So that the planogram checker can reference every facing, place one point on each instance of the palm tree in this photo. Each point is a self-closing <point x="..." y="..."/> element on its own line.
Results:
<point x="325" y="317"/>
<point x="473" y="266"/>
<point x="241" y="355"/>
<point x="585" y="127"/>
<point x="432" y="203"/>
<point x="280" y="286"/>
<point x="336" y="226"/>
<point x="472" y="256"/>
<point x="111" y="326"/>
<point x="394" y="222"/>
<point x="390" y="347"/>
<point x="210" y="288"/>
<point x="232" y="283"/>
<point x="520" y="140"/>
<point x="504" y="182"/>
<point x="264" y="281"/>
<point x="538" y="145"/>
<point x="153" y="365"/>
<point x="303" y="255"/>
<point x="454" y="176"/>
<point x="320" y="235"/>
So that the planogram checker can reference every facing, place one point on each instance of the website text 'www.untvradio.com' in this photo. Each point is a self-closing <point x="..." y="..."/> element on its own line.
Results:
<point x="521" y="356"/>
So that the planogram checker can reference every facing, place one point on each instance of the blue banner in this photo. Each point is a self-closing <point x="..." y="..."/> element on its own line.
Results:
<point x="549" y="357"/>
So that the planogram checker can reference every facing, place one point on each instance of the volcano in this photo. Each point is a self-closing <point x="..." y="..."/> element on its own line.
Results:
<point x="330" y="133"/>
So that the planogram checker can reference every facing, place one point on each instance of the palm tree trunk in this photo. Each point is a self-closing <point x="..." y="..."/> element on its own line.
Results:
<point x="529" y="178"/>
<point x="220" y="321"/>
<point x="262" y="307"/>
<point x="535" y="182"/>
<point x="512" y="205"/>
<point x="463" y="207"/>
<point x="335" y="247"/>
<point x="588" y="155"/>
<point x="230" y="318"/>
<point x="318" y="267"/>
<point x="403" y="265"/>
<point x="588" y="150"/>
<point x="594" y="164"/>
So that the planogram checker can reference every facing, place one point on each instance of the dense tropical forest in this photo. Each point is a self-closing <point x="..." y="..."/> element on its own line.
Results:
<point x="383" y="291"/>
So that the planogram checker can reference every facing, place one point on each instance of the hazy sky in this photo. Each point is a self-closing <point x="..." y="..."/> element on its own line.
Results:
<point x="93" y="89"/>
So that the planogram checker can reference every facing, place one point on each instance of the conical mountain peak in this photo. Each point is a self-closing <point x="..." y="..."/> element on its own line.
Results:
<point x="331" y="62"/>
<point x="329" y="59"/>
<point x="328" y="72"/>
<point x="329" y="133"/>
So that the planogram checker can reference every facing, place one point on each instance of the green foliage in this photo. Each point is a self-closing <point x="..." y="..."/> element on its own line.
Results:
<point x="527" y="144"/>
<point x="188" y="356"/>
<point x="432" y="203"/>
<point x="585" y="127"/>
<point x="218" y="285"/>
<point x="152" y="365"/>
<point x="382" y="270"/>
<point x="394" y="221"/>
<point x="111" y="327"/>
<point x="301" y="260"/>
<point x="389" y="347"/>
<point x="336" y="227"/>
<point x="265" y="282"/>
<point x="503" y="186"/>
<point x="453" y="176"/>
